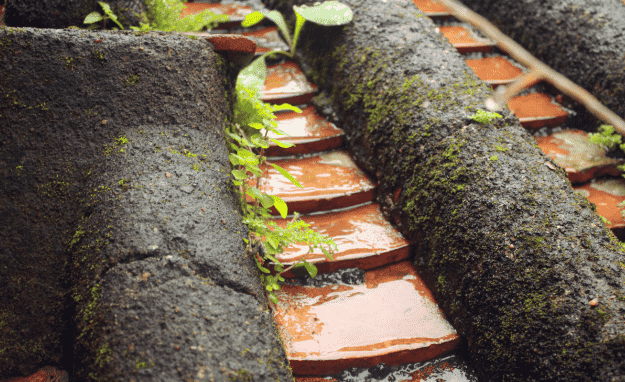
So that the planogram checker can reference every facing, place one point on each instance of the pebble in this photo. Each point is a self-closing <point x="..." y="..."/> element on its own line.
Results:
<point x="594" y="302"/>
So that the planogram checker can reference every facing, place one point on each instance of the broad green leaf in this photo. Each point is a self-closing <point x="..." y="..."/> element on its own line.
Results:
<point x="273" y="259"/>
<point x="235" y="159"/>
<point x="93" y="17"/>
<point x="269" y="288"/>
<point x="328" y="13"/>
<point x="259" y="141"/>
<point x="277" y="18"/>
<point x="273" y="298"/>
<point x="236" y="182"/>
<point x="325" y="252"/>
<point x="266" y="200"/>
<point x="280" y="206"/>
<point x="285" y="106"/>
<point x="278" y="131"/>
<point x="235" y="137"/>
<point x="286" y="175"/>
<point x="92" y="26"/>
<point x="253" y="76"/>
<point x="281" y="144"/>
<point x="106" y="8"/>
<point x="276" y="286"/>
<point x="312" y="270"/>
<point x="264" y="270"/>
<point x="257" y="126"/>
<point x="252" y="19"/>
<point x="239" y="174"/>
<point x="255" y="193"/>
<point x="299" y="23"/>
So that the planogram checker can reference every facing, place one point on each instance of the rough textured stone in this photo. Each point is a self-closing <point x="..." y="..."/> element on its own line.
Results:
<point x="65" y="13"/>
<point x="582" y="39"/>
<point x="512" y="254"/>
<point x="121" y="243"/>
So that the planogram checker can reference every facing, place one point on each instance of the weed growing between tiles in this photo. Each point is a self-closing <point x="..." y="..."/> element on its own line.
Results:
<point x="162" y="15"/>
<point x="251" y="117"/>
<point x="329" y="13"/>
<point x="247" y="145"/>
<point x="608" y="138"/>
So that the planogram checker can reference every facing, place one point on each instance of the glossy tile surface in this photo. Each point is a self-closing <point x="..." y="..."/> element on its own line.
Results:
<point x="286" y="83"/>
<point x="266" y="40"/>
<point x="431" y="9"/>
<point x="309" y="131"/>
<point x="494" y="70"/>
<point x="363" y="237"/>
<point x="536" y="110"/>
<point x="330" y="181"/>
<point x="606" y="194"/>
<point x="392" y="318"/>
<point x="581" y="159"/>
<point x="464" y="41"/>
<point x="443" y="369"/>
<point x="45" y="374"/>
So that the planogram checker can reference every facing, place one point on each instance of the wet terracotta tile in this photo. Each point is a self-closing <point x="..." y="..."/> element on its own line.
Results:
<point x="581" y="159"/>
<point x="537" y="110"/>
<point x="227" y="42"/>
<point x="494" y="70"/>
<point x="45" y="374"/>
<point x="464" y="41"/>
<point x="331" y="181"/>
<point x="437" y="370"/>
<point x="236" y="13"/>
<point x="364" y="238"/>
<point x="309" y="131"/>
<point x="431" y="9"/>
<point x="606" y="194"/>
<point x="286" y="83"/>
<point x="392" y="318"/>
<point x="267" y="40"/>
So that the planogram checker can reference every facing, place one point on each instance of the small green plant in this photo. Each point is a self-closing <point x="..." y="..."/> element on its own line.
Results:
<point x="253" y="120"/>
<point x="494" y="158"/>
<point x="329" y="13"/>
<point x="611" y="140"/>
<point x="164" y="15"/>
<point x="94" y="17"/>
<point x="484" y="117"/>
<point x="607" y="137"/>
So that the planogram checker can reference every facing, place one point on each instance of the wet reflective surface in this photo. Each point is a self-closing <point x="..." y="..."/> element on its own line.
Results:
<point x="266" y="40"/>
<point x="536" y="110"/>
<point x="464" y="41"/>
<point x="447" y="368"/>
<point x="392" y="318"/>
<point x="494" y="70"/>
<point x="309" y="131"/>
<point x="581" y="159"/>
<point x="363" y="237"/>
<point x="331" y="181"/>
<point x="286" y="83"/>
<point x="606" y="194"/>
<point x="431" y="8"/>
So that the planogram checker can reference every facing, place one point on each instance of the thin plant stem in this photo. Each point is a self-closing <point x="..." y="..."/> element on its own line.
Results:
<point x="515" y="50"/>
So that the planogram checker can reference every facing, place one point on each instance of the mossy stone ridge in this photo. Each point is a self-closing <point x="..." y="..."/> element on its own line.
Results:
<point x="121" y="247"/>
<point x="582" y="39"/>
<point x="512" y="254"/>
<point x="65" y="13"/>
